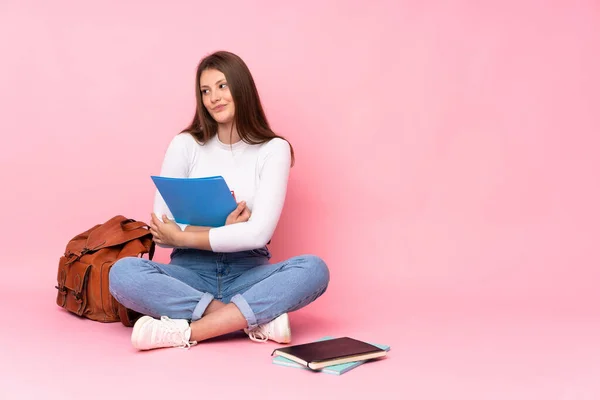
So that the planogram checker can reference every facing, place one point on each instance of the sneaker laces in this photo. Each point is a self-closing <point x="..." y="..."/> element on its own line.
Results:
<point x="173" y="334"/>
<point x="259" y="335"/>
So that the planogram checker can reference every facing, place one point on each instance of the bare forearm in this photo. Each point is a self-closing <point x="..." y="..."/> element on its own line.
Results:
<point x="194" y="239"/>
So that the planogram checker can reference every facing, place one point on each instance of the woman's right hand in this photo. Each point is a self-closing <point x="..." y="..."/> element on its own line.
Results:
<point x="240" y="214"/>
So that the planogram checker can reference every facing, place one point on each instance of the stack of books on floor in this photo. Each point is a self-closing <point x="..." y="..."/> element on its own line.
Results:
<point x="329" y="355"/>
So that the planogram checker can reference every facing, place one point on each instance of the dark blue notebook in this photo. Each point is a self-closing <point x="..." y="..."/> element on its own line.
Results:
<point x="197" y="201"/>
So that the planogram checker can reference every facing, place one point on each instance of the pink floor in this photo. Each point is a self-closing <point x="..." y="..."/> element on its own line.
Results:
<point x="458" y="350"/>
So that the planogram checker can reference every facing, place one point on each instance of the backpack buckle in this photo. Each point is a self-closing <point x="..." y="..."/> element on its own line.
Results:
<point x="61" y="290"/>
<point x="78" y="297"/>
<point x="75" y="256"/>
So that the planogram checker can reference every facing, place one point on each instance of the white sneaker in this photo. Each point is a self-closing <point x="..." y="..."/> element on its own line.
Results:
<point x="149" y="333"/>
<point x="277" y="330"/>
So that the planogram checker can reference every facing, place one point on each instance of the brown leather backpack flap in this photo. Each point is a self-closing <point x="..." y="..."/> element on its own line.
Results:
<point x="75" y="247"/>
<point x="131" y="224"/>
<point x="72" y="279"/>
<point x="116" y="239"/>
<point x="116" y="231"/>
<point x="134" y="248"/>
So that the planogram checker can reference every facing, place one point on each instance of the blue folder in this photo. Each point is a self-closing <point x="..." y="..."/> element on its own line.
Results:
<point x="197" y="201"/>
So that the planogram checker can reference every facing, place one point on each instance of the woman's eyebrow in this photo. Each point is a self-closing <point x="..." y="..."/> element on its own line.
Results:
<point x="216" y="83"/>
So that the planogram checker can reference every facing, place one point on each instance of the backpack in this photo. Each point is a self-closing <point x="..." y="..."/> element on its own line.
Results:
<point x="84" y="267"/>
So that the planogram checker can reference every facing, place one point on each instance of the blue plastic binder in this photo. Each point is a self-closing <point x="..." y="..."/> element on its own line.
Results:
<point x="197" y="201"/>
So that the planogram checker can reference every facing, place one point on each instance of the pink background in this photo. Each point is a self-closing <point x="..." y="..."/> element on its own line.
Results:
<point x="447" y="171"/>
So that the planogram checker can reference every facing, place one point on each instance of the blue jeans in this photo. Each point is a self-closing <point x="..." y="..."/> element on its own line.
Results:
<point x="185" y="287"/>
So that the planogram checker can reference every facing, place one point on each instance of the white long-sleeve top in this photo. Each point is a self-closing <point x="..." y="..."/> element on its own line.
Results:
<point x="258" y="174"/>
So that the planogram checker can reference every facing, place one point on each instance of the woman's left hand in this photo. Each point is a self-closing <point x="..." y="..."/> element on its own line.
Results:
<point x="165" y="232"/>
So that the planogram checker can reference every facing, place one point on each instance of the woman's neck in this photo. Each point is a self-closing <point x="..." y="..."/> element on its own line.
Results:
<point x="228" y="134"/>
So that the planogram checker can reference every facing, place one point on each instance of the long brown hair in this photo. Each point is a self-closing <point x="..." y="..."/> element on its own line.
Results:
<point x="250" y="119"/>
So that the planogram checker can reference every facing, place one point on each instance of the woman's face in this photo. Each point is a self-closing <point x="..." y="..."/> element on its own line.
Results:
<point x="216" y="96"/>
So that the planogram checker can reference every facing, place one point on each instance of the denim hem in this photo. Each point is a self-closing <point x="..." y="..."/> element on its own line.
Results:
<point x="245" y="309"/>
<point x="201" y="306"/>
